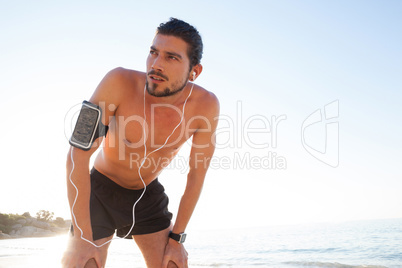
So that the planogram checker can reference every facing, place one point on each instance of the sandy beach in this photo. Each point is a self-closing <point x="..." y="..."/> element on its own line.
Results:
<point x="29" y="261"/>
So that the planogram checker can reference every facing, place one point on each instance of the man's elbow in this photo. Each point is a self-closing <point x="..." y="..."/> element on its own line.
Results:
<point x="76" y="155"/>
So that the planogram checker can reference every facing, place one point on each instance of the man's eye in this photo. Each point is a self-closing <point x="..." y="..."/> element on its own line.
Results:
<point x="152" y="52"/>
<point x="172" y="57"/>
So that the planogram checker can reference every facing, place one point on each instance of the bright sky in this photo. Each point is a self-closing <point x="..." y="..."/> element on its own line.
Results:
<point x="272" y="64"/>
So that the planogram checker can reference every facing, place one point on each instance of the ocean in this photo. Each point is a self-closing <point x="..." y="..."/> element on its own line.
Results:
<point x="375" y="243"/>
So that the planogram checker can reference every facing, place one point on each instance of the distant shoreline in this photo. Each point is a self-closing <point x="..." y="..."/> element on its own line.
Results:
<point x="23" y="226"/>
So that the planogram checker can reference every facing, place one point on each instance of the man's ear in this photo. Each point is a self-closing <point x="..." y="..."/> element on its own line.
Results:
<point x="195" y="72"/>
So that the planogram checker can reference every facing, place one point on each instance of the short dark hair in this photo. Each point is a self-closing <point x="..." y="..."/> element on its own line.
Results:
<point x="187" y="33"/>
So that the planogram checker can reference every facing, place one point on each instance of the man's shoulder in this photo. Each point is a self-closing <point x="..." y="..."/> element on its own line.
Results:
<point x="206" y="97"/>
<point x="124" y="81"/>
<point x="120" y="74"/>
<point x="206" y="100"/>
<point x="117" y="84"/>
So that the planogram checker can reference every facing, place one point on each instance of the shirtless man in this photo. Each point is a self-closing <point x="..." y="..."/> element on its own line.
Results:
<point x="107" y="193"/>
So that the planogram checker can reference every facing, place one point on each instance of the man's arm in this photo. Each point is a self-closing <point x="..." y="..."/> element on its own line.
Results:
<point x="77" y="169"/>
<point x="203" y="147"/>
<point x="80" y="251"/>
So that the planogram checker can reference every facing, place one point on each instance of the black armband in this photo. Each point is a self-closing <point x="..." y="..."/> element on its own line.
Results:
<point x="89" y="126"/>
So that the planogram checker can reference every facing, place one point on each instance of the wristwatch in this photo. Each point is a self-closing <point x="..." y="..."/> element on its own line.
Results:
<point x="180" y="238"/>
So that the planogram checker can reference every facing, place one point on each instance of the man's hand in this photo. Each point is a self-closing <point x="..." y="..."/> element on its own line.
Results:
<point x="175" y="252"/>
<point x="79" y="252"/>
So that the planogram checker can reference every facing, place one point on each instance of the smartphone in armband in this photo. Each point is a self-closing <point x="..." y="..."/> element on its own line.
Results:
<point x="88" y="127"/>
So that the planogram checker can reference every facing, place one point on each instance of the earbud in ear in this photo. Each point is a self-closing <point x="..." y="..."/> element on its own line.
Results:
<point x="193" y="76"/>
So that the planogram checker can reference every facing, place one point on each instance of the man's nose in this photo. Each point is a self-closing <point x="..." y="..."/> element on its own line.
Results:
<point x="157" y="64"/>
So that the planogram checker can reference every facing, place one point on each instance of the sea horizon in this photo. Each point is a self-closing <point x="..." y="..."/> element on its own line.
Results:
<point x="350" y="244"/>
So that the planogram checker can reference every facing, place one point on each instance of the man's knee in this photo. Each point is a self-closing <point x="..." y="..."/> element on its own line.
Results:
<point x="171" y="265"/>
<point x="91" y="264"/>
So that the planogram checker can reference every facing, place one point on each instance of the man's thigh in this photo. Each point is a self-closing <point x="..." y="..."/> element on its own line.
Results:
<point x="91" y="263"/>
<point x="153" y="246"/>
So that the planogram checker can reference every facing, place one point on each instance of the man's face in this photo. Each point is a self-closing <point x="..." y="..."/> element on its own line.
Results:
<point x="167" y="66"/>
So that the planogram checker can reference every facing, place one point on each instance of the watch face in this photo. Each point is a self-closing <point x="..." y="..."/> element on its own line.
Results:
<point x="182" y="238"/>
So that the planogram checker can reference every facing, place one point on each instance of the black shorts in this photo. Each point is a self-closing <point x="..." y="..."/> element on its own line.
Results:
<point x="111" y="208"/>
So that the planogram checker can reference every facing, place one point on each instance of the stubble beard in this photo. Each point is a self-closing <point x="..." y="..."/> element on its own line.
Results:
<point x="177" y="87"/>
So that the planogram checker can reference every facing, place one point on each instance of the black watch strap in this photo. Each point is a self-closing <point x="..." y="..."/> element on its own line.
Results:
<point x="180" y="238"/>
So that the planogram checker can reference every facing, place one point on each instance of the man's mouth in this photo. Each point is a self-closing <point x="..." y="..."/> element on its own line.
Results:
<point x="156" y="78"/>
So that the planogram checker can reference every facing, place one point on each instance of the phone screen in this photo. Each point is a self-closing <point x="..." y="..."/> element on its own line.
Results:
<point x="87" y="123"/>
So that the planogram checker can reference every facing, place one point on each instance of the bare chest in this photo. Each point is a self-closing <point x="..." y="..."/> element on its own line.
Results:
<point x="159" y="127"/>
